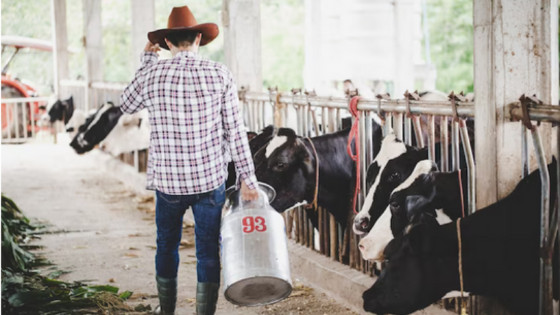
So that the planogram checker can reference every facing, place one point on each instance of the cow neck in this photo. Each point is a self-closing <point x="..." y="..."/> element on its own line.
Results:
<point x="316" y="191"/>
<point x="449" y="189"/>
<point x="335" y="168"/>
<point x="66" y="116"/>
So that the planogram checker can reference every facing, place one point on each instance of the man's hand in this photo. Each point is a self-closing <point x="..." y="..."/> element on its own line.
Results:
<point x="247" y="193"/>
<point x="151" y="47"/>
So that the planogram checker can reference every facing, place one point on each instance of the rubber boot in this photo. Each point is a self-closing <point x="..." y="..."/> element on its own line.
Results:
<point x="206" y="298"/>
<point x="167" y="293"/>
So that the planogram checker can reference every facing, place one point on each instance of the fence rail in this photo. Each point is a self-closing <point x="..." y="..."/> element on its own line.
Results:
<point x="314" y="115"/>
<point x="21" y="118"/>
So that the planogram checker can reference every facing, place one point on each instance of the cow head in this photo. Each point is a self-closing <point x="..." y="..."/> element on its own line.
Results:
<point x="391" y="224"/>
<point x="61" y="110"/>
<point x="394" y="163"/>
<point x="287" y="165"/>
<point x="413" y="274"/>
<point x="416" y="203"/>
<point x="96" y="128"/>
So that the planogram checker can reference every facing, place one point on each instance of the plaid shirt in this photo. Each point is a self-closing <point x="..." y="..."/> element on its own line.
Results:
<point x="196" y="126"/>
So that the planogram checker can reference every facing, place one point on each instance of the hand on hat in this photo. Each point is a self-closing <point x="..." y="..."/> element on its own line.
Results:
<point x="151" y="47"/>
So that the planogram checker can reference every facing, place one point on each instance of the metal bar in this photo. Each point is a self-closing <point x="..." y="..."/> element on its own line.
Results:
<point x="455" y="158"/>
<point x="542" y="113"/>
<point x="432" y="137"/>
<point x="388" y="127"/>
<point x="471" y="169"/>
<point x="545" y="292"/>
<point x="524" y="152"/>
<point x="407" y="137"/>
<point x="444" y="143"/>
<point x="24" y="99"/>
<point x="16" y="119"/>
<point x="368" y="139"/>
<point x="416" y="107"/>
<point x="33" y="124"/>
<point x="398" y="125"/>
<point x="363" y="165"/>
<point x="418" y="131"/>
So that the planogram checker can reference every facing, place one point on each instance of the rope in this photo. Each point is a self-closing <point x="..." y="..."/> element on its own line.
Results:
<point x="461" y="191"/>
<point x="316" y="193"/>
<point x="461" y="283"/>
<point x="355" y="135"/>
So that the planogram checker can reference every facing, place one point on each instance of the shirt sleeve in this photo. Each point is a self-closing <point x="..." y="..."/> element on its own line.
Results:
<point x="131" y="98"/>
<point x="236" y="136"/>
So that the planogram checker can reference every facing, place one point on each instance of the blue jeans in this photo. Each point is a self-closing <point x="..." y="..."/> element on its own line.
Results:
<point x="207" y="211"/>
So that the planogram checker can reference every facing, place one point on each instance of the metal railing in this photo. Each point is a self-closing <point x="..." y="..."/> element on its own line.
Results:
<point x="21" y="118"/>
<point x="314" y="115"/>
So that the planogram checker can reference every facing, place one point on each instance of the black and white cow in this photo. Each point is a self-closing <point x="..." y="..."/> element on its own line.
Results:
<point x="256" y="141"/>
<point x="131" y="133"/>
<point x="393" y="165"/>
<point x="288" y="163"/>
<point x="96" y="128"/>
<point x="61" y="110"/>
<point x="426" y="192"/>
<point x="500" y="257"/>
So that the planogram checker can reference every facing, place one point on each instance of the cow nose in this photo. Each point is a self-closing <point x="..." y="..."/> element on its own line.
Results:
<point x="364" y="223"/>
<point x="361" y="247"/>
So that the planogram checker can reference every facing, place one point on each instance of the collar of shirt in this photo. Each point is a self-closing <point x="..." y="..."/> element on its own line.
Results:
<point x="185" y="54"/>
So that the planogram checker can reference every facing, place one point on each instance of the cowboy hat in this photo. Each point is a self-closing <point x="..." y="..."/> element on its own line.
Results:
<point x="180" y="20"/>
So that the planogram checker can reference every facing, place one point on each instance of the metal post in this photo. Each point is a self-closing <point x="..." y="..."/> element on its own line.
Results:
<point x="469" y="156"/>
<point x="455" y="145"/>
<point x="545" y="292"/>
<point x="524" y="153"/>
<point x="418" y="131"/>
<point x="432" y="137"/>
<point x="444" y="142"/>
<point x="407" y="137"/>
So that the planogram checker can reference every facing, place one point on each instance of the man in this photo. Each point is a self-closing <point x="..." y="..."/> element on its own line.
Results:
<point x="195" y="129"/>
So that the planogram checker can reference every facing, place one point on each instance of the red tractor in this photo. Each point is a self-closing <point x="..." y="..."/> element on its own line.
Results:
<point x="15" y="88"/>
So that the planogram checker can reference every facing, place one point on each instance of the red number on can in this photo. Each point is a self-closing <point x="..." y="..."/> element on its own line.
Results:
<point x="251" y="224"/>
<point x="260" y="224"/>
<point x="248" y="224"/>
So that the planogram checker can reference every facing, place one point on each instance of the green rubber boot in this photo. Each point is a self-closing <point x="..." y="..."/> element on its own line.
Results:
<point x="167" y="293"/>
<point x="206" y="298"/>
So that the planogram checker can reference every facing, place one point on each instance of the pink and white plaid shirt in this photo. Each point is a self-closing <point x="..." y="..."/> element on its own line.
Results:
<point x="196" y="126"/>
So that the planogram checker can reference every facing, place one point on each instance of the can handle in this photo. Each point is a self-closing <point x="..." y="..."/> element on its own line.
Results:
<point x="266" y="195"/>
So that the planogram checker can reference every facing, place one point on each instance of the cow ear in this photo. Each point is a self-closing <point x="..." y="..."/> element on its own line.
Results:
<point x="304" y="155"/>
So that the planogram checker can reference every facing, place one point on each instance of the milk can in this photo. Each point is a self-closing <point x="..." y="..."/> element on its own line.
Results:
<point x="255" y="264"/>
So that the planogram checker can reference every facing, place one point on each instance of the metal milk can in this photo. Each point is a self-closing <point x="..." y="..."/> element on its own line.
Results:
<point x="255" y="264"/>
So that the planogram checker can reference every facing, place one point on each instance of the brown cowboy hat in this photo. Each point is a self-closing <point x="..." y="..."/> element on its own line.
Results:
<point x="180" y="20"/>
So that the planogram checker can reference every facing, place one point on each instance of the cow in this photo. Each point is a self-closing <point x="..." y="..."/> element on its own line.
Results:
<point x="394" y="163"/>
<point x="256" y="141"/>
<point x="288" y="163"/>
<point x="61" y="110"/>
<point x="96" y="128"/>
<point x="441" y="195"/>
<point x="78" y="118"/>
<point x="500" y="256"/>
<point x="131" y="133"/>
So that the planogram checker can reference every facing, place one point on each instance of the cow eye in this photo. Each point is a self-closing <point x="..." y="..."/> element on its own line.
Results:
<point x="279" y="166"/>
<point x="394" y="177"/>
